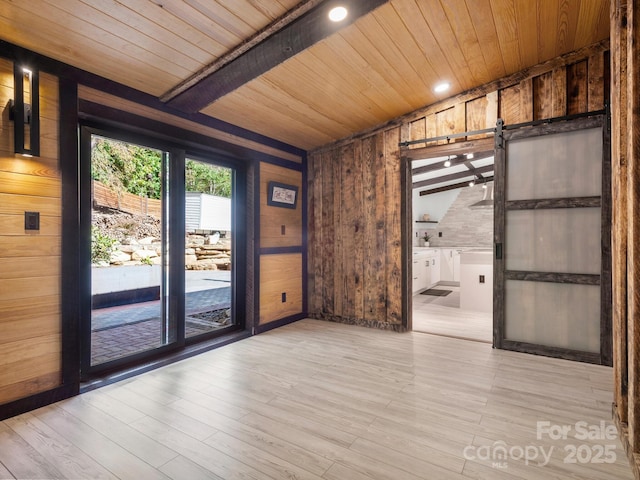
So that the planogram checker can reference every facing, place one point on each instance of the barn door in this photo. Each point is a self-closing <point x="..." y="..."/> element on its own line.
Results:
<point x="552" y="242"/>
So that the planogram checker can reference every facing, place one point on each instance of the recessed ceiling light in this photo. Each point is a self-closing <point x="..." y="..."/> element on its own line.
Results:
<point x="469" y="156"/>
<point x="442" y="87"/>
<point x="447" y="163"/>
<point x="337" y="14"/>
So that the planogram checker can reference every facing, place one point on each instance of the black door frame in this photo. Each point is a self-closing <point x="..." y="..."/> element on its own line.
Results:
<point x="176" y="218"/>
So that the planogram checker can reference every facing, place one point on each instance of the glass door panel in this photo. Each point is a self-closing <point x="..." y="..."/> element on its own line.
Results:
<point x="564" y="240"/>
<point x="129" y="251"/>
<point x="209" y="248"/>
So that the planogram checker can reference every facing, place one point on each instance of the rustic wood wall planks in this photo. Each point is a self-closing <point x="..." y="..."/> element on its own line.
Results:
<point x="355" y="206"/>
<point x="354" y="246"/>
<point x="30" y="319"/>
<point x="625" y="94"/>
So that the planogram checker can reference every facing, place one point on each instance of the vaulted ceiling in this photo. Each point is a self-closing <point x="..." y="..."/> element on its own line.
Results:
<point x="382" y="65"/>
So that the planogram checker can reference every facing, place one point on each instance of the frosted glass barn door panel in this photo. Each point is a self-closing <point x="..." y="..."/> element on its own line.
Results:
<point x="560" y="165"/>
<point x="563" y="240"/>
<point x="553" y="314"/>
<point x="549" y="240"/>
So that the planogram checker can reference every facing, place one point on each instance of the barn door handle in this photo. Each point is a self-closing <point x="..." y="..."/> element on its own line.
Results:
<point x="498" y="251"/>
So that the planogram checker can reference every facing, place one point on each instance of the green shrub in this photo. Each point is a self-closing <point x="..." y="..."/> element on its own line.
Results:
<point x="101" y="246"/>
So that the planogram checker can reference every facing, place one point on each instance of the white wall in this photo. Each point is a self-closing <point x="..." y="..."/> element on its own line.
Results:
<point x="436" y="204"/>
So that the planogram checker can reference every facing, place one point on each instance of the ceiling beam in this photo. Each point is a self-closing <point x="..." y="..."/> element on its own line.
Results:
<point x="446" y="188"/>
<point x="279" y="45"/>
<point x="453" y="176"/>
<point x="281" y="22"/>
<point x="458" y="160"/>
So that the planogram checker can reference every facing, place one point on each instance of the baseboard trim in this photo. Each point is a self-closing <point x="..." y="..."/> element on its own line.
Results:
<point x="38" y="400"/>
<point x="280" y="323"/>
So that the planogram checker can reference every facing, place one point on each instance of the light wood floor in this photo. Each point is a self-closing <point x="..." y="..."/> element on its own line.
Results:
<point x="443" y="316"/>
<point x="318" y="400"/>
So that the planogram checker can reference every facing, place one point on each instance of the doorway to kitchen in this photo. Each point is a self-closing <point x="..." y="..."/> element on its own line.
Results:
<point x="451" y="226"/>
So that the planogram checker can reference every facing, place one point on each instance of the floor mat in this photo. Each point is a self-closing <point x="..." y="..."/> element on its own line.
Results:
<point x="436" y="292"/>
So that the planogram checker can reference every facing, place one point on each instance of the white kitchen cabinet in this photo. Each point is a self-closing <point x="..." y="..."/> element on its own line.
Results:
<point x="425" y="271"/>
<point x="417" y="273"/>
<point x="434" y="266"/>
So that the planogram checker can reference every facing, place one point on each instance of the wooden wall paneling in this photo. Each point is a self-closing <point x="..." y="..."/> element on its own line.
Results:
<point x="596" y="72"/>
<point x="14" y="225"/>
<point x="492" y="110"/>
<point x="459" y="118"/>
<point x="526" y="100"/>
<point x="543" y="96"/>
<point x="18" y="204"/>
<point x="338" y="217"/>
<point x="358" y="232"/>
<point x="620" y="208"/>
<point x="431" y="125"/>
<point x="19" y="319"/>
<point x="445" y="123"/>
<point x="39" y="374"/>
<point x="596" y="82"/>
<point x="272" y="218"/>
<point x="559" y="95"/>
<point x="373" y="262"/>
<point x="509" y="105"/>
<point x="315" y="231"/>
<point x="327" y="235"/>
<point x="577" y="88"/>
<point x="30" y="262"/>
<point x="382" y="233"/>
<point x="393" y="224"/>
<point x="280" y="273"/>
<point x="633" y="216"/>
<point x="347" y="230"/>
<point x="419" y="131"/>
<point x="40" y="166"/>
<point x="476" y="115"/>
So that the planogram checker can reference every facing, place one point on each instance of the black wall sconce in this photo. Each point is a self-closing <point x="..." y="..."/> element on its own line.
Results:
<point x="25" y="111"/>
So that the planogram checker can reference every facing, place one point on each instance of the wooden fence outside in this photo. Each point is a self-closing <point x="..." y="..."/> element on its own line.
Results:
<point x="103" y="196"/>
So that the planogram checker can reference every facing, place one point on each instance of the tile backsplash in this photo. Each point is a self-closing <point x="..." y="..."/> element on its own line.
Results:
<point x="462" y="226"/>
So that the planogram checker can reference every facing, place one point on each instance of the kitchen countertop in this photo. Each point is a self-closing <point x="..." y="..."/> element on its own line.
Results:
<point x="477" y="256"/>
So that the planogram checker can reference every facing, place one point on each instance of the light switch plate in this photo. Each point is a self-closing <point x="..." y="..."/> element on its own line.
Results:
<point x="32" y="220"/>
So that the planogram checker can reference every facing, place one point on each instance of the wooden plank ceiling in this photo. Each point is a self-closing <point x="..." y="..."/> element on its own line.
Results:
<point x="383" y="65"/>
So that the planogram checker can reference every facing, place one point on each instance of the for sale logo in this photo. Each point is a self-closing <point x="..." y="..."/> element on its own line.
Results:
<point x="583" y="432"/>
<point x="593" y="449"/>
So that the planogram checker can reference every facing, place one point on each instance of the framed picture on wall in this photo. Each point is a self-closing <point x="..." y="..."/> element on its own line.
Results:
<point x="282" y="195"/>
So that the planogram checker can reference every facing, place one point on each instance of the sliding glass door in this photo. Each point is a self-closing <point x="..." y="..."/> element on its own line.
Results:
<point x="129" y="251"/>
<point x="209" y="248"/>
<point x="159" y="249"/>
